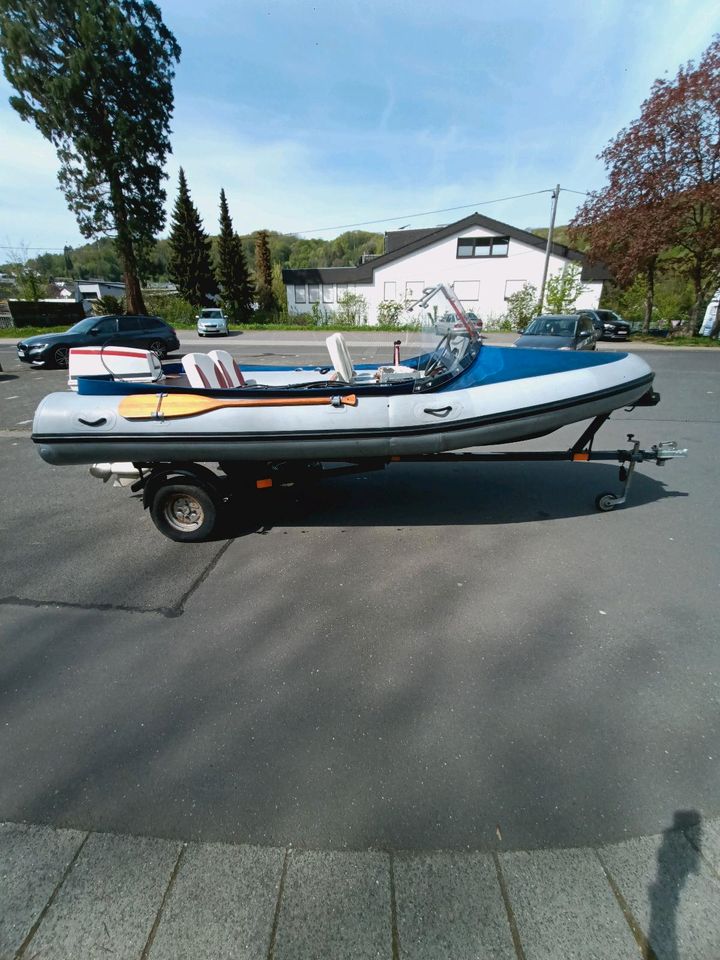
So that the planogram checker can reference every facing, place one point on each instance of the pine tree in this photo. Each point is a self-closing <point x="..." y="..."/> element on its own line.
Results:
<point x="189" y="262"/>
<point x="95" y="77"/>
<point x="263" y="274"/>
<point x="232" y="273"/>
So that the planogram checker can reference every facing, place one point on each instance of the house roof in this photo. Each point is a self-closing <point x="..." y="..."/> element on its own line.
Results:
<point x="415" y="240"/>
<point x="394" y="239"/>
<point x="104" y="283"/>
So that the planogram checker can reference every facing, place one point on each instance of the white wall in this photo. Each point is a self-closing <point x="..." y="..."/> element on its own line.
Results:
<point x="482" y="283"/>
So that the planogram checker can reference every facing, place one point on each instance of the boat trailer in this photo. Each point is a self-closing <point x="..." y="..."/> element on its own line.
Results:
<point x="186" y="499"/>
<point x="580" y="452"/>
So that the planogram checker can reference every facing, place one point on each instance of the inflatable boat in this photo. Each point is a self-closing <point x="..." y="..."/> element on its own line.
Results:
<point x="187" y="434"/>
<point x="463" y="394"/>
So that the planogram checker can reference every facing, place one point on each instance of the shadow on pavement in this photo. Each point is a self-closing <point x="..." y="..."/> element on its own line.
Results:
<point x="442" y="495"/>
<point x="677" y="858"/>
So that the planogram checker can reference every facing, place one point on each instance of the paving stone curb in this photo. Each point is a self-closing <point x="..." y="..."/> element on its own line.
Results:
<point x="72" y="895"/>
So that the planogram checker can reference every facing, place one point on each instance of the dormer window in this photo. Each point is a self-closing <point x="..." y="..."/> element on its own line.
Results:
<point x="482" y="247"/>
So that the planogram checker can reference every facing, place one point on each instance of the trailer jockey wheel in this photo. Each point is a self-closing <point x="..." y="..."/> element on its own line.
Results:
<point x="184" y="512"/>
<point x="606" y="502"/>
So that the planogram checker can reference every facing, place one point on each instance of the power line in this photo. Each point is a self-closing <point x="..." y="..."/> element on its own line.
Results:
<point x="367" y="223"/>
<point x="425" y="213"/>
<point x="46" y="249"/>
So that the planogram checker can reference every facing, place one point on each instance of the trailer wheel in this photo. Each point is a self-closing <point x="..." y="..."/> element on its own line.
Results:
<point x="184" y="512"/>
<point x="605" y="502"/>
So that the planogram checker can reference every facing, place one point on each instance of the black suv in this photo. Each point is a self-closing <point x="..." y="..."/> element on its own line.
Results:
<point x="52" y="349"/>
<point x="608" y="325"/>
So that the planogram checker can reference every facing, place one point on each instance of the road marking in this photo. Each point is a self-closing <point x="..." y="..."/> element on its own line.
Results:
<point x="21" y="423"/>
<point x="11" y="398"/>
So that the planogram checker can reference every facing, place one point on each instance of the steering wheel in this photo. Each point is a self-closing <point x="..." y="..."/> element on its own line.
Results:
<point x="438" y="359"/>
<point x="437" y="363"/>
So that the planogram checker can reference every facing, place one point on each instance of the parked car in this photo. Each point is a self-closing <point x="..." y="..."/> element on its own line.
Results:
<point x="558" y="331"/>
<point x="52" y="349"/>
<point x="608" y="324"/>
<point x="448" y="321"/>
<point x="212" y="321"/>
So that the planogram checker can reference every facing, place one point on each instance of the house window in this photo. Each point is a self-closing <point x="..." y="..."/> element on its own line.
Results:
<point x="328" y="293"/>
<point x="300" y="295"/>
<point x="314" y="292"/>
<point x="413" y="289"/>
<point x="342" y="289"/>
<point x="389" y="290"/>
<point x="467" y="289"/>
<point x="513" y="286"/>
<point x="482" y="247"/>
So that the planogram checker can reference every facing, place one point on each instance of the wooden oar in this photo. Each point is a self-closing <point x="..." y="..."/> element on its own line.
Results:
<point x="140" y="406"/>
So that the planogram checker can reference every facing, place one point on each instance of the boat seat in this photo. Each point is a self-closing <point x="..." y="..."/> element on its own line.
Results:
<point x="340" y="356"/>
<point x="227" y="367"/>
<point x="342" y="361"/>
<point x="201" y="371"/>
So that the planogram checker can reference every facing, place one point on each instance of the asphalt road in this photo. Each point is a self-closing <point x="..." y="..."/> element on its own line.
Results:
<point x="431" y="656"/>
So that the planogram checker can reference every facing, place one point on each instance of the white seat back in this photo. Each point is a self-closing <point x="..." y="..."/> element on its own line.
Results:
<point x="200" y="371"/>
<point x="340" y="356"/>
<point x="227" y="366"/>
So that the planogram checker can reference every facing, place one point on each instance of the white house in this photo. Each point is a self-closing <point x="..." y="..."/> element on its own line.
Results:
<point x="485" y="260"/>
<point x="96" y="289"/>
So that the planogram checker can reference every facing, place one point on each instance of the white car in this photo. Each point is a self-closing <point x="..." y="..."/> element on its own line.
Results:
<point x="212" y="322"/>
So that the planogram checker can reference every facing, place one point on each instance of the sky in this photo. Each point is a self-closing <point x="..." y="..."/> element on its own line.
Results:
<point x="318" y="115"/>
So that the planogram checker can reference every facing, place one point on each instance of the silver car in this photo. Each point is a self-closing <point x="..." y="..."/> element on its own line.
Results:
<point x="212" y="322"/>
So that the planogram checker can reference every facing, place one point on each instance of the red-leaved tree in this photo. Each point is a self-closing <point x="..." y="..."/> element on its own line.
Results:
<point x="663" y="192"/>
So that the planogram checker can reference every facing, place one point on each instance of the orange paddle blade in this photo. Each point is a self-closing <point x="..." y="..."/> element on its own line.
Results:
<point x="164" y="405"/>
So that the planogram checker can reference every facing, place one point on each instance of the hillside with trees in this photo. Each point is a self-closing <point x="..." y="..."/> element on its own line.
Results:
<point x="99" y="259"/>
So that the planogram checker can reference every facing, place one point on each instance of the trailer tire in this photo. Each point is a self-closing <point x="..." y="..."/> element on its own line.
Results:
<point x="184" y="512"/>
<point x="605" y="502"/>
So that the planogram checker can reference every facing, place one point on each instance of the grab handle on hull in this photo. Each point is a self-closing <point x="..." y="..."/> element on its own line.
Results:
<point x="438" y="411"/>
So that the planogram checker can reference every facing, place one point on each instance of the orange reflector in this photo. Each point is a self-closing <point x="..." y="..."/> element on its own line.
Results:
<point x="394" y="459"/>
<point x="585" y="455"/>
<point x="263" y="484"/>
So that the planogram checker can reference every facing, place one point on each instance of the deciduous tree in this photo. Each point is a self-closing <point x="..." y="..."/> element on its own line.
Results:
<point x="685" y="115"/>
<point x="663" y="194"/>
<point x="563" y="289"/>
<point x="95" y="77"/>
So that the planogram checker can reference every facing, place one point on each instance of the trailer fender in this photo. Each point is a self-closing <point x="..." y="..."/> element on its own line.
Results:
<point x="194" y="472"/>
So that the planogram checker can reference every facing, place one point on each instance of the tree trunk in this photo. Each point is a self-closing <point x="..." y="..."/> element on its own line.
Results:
<point x="694" y="324"/>
<point x="134" y="302"/>
<point x="649" y="295"/>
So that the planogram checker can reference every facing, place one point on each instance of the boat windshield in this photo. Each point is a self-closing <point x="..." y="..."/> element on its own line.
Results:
<point x="460" y="340"/>
<point x="454" y="353"/>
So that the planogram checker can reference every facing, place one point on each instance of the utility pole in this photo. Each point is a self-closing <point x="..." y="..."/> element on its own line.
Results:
<point x="548" y="247"/>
